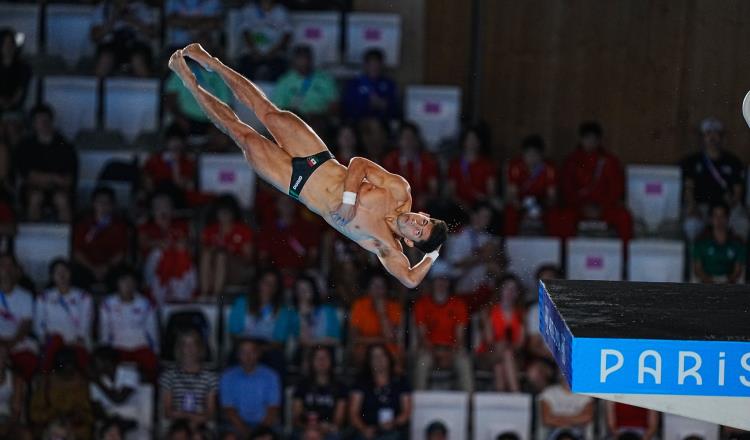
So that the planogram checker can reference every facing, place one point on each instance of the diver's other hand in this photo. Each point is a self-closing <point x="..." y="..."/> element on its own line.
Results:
<point x="344" y="214"/>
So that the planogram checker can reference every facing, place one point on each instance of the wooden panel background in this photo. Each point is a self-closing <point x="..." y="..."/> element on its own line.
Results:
<point x="649" y="70"/>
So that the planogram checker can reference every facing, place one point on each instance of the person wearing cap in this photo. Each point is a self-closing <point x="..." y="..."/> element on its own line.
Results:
<point x="593" y="182"/>
<point x="442" y="319"/>
<point x="436" y="431"/>
<point x="712" y="175"/>
<point x="531" y="195"/>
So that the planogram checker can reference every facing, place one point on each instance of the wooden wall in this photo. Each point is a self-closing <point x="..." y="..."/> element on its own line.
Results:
<point x="649" y="70"/>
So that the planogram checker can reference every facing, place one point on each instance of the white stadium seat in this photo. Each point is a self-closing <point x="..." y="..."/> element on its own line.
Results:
<point x="131" y="105"/>
<point x="37" y="244"/>
<point x="654" y="194"/>
<point x="449" y="407"/>
<point x="496" y="413"/>
<point x="594" y="259"/>
<point x="68" y="31"/>
<point x="246" y="114"/>
<point x="365" y="30"/>
<point x="321" y="31"/>
<point x="526" y="254"/>
<point x="656" y="260"/>
<point x="23" y="18"/>
<point x="75" y="101"/>
<point x="227" y="173"/>
<point x="436" y="110"/>
<point x="678" y="428"/>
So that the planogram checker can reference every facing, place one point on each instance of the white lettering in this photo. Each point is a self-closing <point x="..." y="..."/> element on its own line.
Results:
<point x="722" y="366"/>
<point x="299" y="179"/>
<point x="654" y="371"/>
<point x="692" y="371"/>
<point x="605" y="371"/>
<point x="745" y="361"/>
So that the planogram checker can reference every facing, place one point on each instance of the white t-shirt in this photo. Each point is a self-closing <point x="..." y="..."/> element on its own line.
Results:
<point x="69" y="316"/>
<point x="532" y="320"/>
<point x="179" y="36"/>
<point x="464" y="244"/>
<point x="16" y="306"/>
<point x="266" y="28"/>
<point x="126" y="376"/>
<point x="562" y="402"/>
<point x="128" y="326"/>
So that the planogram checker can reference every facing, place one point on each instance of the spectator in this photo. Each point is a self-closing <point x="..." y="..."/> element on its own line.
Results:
<point x="59" y="429"/>
<point x="227" y="249"/>
<point x="111" y="429"/>
<point x="267" y="31"/>
<point x="48" y="166"/>
<point x="180" y="430"/>
<point x="472" y="251"/>
<point x="182" y="107"/>
<point x="121" y="31"/>
<point x="442" y="319"/>
<point x="113" y="387"/>
<point x="503" y="334"/>
<point x="168" y="268"/>
<point x="565" y="412"/>
<point x="289" y="242"/>
<point x="173" y="167"/>
<point x="15" y="74"/>
<point x="417" y="166"/>
<point x="436" y="431"/>
<point x="375" y="319"/>
<point x="319" y="402"/>
<point x="191" y="20"/>
<point x="593" y="183"/>
<point x="189" y="390"/>
<point x="101" y="241"/>
<point x="719" y="257"/>
<point x="313" y="322"/>
<point x="710" y="176"/>
<point x="371" y="93"/>
<point x="12" y="400"/>
<point x="531" y="200"/>
<point x="127" y="322"/>
<point x="472" y="175"/>
<point x="16" y="318"/>
<point x="380" y="402"/>
<point x="642" y="423"/>
<point x="305" y="90"/>
<point x="346" y="143"/>
<point x="63" y="316"/>
<point x="64" y="394"/>
<point x="374" y="134"/>
<point x="246" y="410"/>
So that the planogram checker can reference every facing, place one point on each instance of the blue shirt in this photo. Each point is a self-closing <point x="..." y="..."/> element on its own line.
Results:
<point x="267" y="325"/>
<point x="356" y="102"/>
<point x="250" y="394"/>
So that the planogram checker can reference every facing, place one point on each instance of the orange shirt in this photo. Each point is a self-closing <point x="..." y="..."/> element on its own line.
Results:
<point x="365" y="320"/>
<point x="531" y="182"/>
<point x="441" y="320"/>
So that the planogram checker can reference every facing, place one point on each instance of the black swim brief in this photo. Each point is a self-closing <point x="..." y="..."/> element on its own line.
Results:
<point x="302" y="169"/>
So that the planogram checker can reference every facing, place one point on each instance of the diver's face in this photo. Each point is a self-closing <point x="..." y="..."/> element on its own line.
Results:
<point x="414" y="226"/>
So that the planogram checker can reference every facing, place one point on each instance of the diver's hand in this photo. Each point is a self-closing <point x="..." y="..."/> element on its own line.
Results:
<point x="344" y="214"/>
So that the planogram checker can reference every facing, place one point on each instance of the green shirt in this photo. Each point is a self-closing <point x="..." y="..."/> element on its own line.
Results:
<point x="308" y="95"/>
<point x="210" y="81"/>
<point x="719" y="259"/>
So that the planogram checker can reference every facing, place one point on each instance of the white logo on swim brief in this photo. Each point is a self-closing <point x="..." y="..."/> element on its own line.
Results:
<point x="296" y="184"/>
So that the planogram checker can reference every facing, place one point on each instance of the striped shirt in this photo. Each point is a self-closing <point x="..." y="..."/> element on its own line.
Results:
<point x="189" y="390"/>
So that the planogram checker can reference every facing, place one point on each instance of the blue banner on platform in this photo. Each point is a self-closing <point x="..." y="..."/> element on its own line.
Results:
<point x="645" y="366"/>
<point x="556" y="334"/>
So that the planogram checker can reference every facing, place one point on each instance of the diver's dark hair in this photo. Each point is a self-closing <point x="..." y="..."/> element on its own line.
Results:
<point x="438" y="235"/>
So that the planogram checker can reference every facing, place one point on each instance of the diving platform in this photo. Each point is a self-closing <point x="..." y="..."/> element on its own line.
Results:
<point x="678" y="348"/>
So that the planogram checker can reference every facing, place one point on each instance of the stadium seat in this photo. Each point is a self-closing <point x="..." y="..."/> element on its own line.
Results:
<point x="594" y="259"/>
<point x="496" y="413"/>
<point x="222" y="173"/>
<point x="131" y="105"/>
<point x="37" y="244"/>
<point x="321" y="31"/>
<point x="233" y="33"/>
<point x="68" y="28"/>
<point x="91" y="164"/>
<point x="436" y="110"/>
<point x="526" y="254"/>
<point x="23" y="18"/>
<point x="654" y="194"/>
<point x="656" y="260"/>
<point x="210" y="314"/>
<point x="677" y="428"/>
<point x="449" y="407"/>
<point x="246" y="114"/>
<point x="366" y="30"/>
<point x="75" y="101"/>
